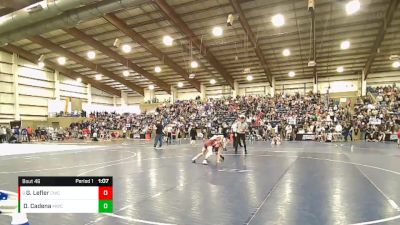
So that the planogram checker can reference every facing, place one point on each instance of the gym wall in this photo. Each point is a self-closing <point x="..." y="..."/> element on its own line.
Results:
<point x="25" y="89"/>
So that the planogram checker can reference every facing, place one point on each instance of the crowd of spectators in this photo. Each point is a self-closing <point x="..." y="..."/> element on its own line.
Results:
<point x="284" y="115"/>
<point x="312" y="116"/>
<point x="379" y="117"/>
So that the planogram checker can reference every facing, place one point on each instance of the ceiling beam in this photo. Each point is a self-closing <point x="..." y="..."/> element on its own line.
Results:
<point x="70" y="55"/>
<point x="387" y="20"/>
<point x="201" y="47"/>
<point x="252" y="38"/>
<point x="117" y="57"/>
<point x="314" y="45"/>
<point x="123" y="27"/>
<point x="16" y="4"/>
<point x="67" y="72"/>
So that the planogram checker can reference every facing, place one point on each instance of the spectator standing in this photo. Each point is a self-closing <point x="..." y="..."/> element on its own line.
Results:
<point x="24" y="135"/>
<point x="345" y="132"/>
<point x="289" y="131"/>
<point x="168" y="130"/>
<point x="159" y="135"/>
<point x="398" y="138"/>
<point x="8" y="133"/>
<point x="29" y="130"/>
<point x="3" y="134"/>
<point x="193" y="134"/>
<point x="351" y="132"/>
<point x="16" y="133"/>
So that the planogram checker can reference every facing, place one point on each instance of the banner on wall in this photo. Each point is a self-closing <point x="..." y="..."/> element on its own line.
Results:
<point x="16" y="123"/>
<point x="56" y="106"/>
<point x="135" y="109"/>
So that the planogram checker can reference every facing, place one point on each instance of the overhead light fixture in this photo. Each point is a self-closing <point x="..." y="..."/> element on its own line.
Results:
<point x="79" y="80"/>
<point x="125" y="73"/>
<point x="229" y="21"/>
<point x="180" y="84"/>
<point x="61" y="60"/>
<point x="212" y="81"/>
<point x="41" y="61"/>
<point x="168" y="40"/>
<point x="192" y="76"/>
<point x="353" y="6"/>
<point x="151" y="87"/>
<point x="126" y="48"/>
<point x="292" y="74"/>
<point x="35" y="7"/>
<point x="98" y="76"/>
<point x="194" y="64"/>
<point x="41" y="58"/>
<point x="394" y="57"/>
<point x="340" y="69"/>
<point x="4" y="18"/>
<point x="286" y="52"/>
<point x="345" y="45"/>
<point x="278" y="20"/>
<point x="157" y="69"/>
<point x="116" y="43"/>
<point x="396" y="64"/>
<point x="249" y="77"/>
<point x="311" y="63"/>
<point x="91" y="55"/>
<point x="217" y="31"/>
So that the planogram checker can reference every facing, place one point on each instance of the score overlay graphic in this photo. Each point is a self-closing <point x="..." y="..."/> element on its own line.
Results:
<point x="65" y="194"/>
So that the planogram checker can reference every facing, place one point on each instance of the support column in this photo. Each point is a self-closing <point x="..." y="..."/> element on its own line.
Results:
<point x="315" y="83"/>
<point x="235" y="92"/>
<point x="57" y="85"/>
<point x="174" y="94"/>
<point x="272" y="89"/>
<point x="115" y="101"/>
<point x="363" y="84"/>
<point x="315" y="88"/>
<point x="124" y="99"/>
<point x="89" y="93"/>
<point x="14" y="70"/>
<point x="148" y="95"/>
<point x="202" y="92"/>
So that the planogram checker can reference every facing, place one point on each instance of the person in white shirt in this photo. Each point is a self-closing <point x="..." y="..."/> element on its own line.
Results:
<point x="168" y="130"/>
<point x="276" y="140"/>
<point x="338" y="128"/>
<point x="234" y="132"/>
<point x="289" y="130"/>
<point x="3" y="135"/>
<point x="242" y="128"/>
<point x="329" y="137"/>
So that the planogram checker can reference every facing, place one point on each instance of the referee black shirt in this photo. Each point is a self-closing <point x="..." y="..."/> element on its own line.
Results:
<point x="159" y="128"/>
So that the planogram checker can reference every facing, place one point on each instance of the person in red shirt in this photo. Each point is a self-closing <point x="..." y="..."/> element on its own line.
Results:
<point x="29" y="131"/>
<point x="206" y="152"/>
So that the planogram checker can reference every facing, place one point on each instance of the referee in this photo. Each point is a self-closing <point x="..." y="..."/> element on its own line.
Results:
<point x="242" y="128"/>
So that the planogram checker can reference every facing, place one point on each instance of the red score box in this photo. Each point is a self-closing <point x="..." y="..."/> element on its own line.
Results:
<point x="105" y="193"/>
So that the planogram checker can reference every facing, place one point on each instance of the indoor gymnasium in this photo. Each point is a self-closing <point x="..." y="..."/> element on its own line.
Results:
<point x="199" y="112"/>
